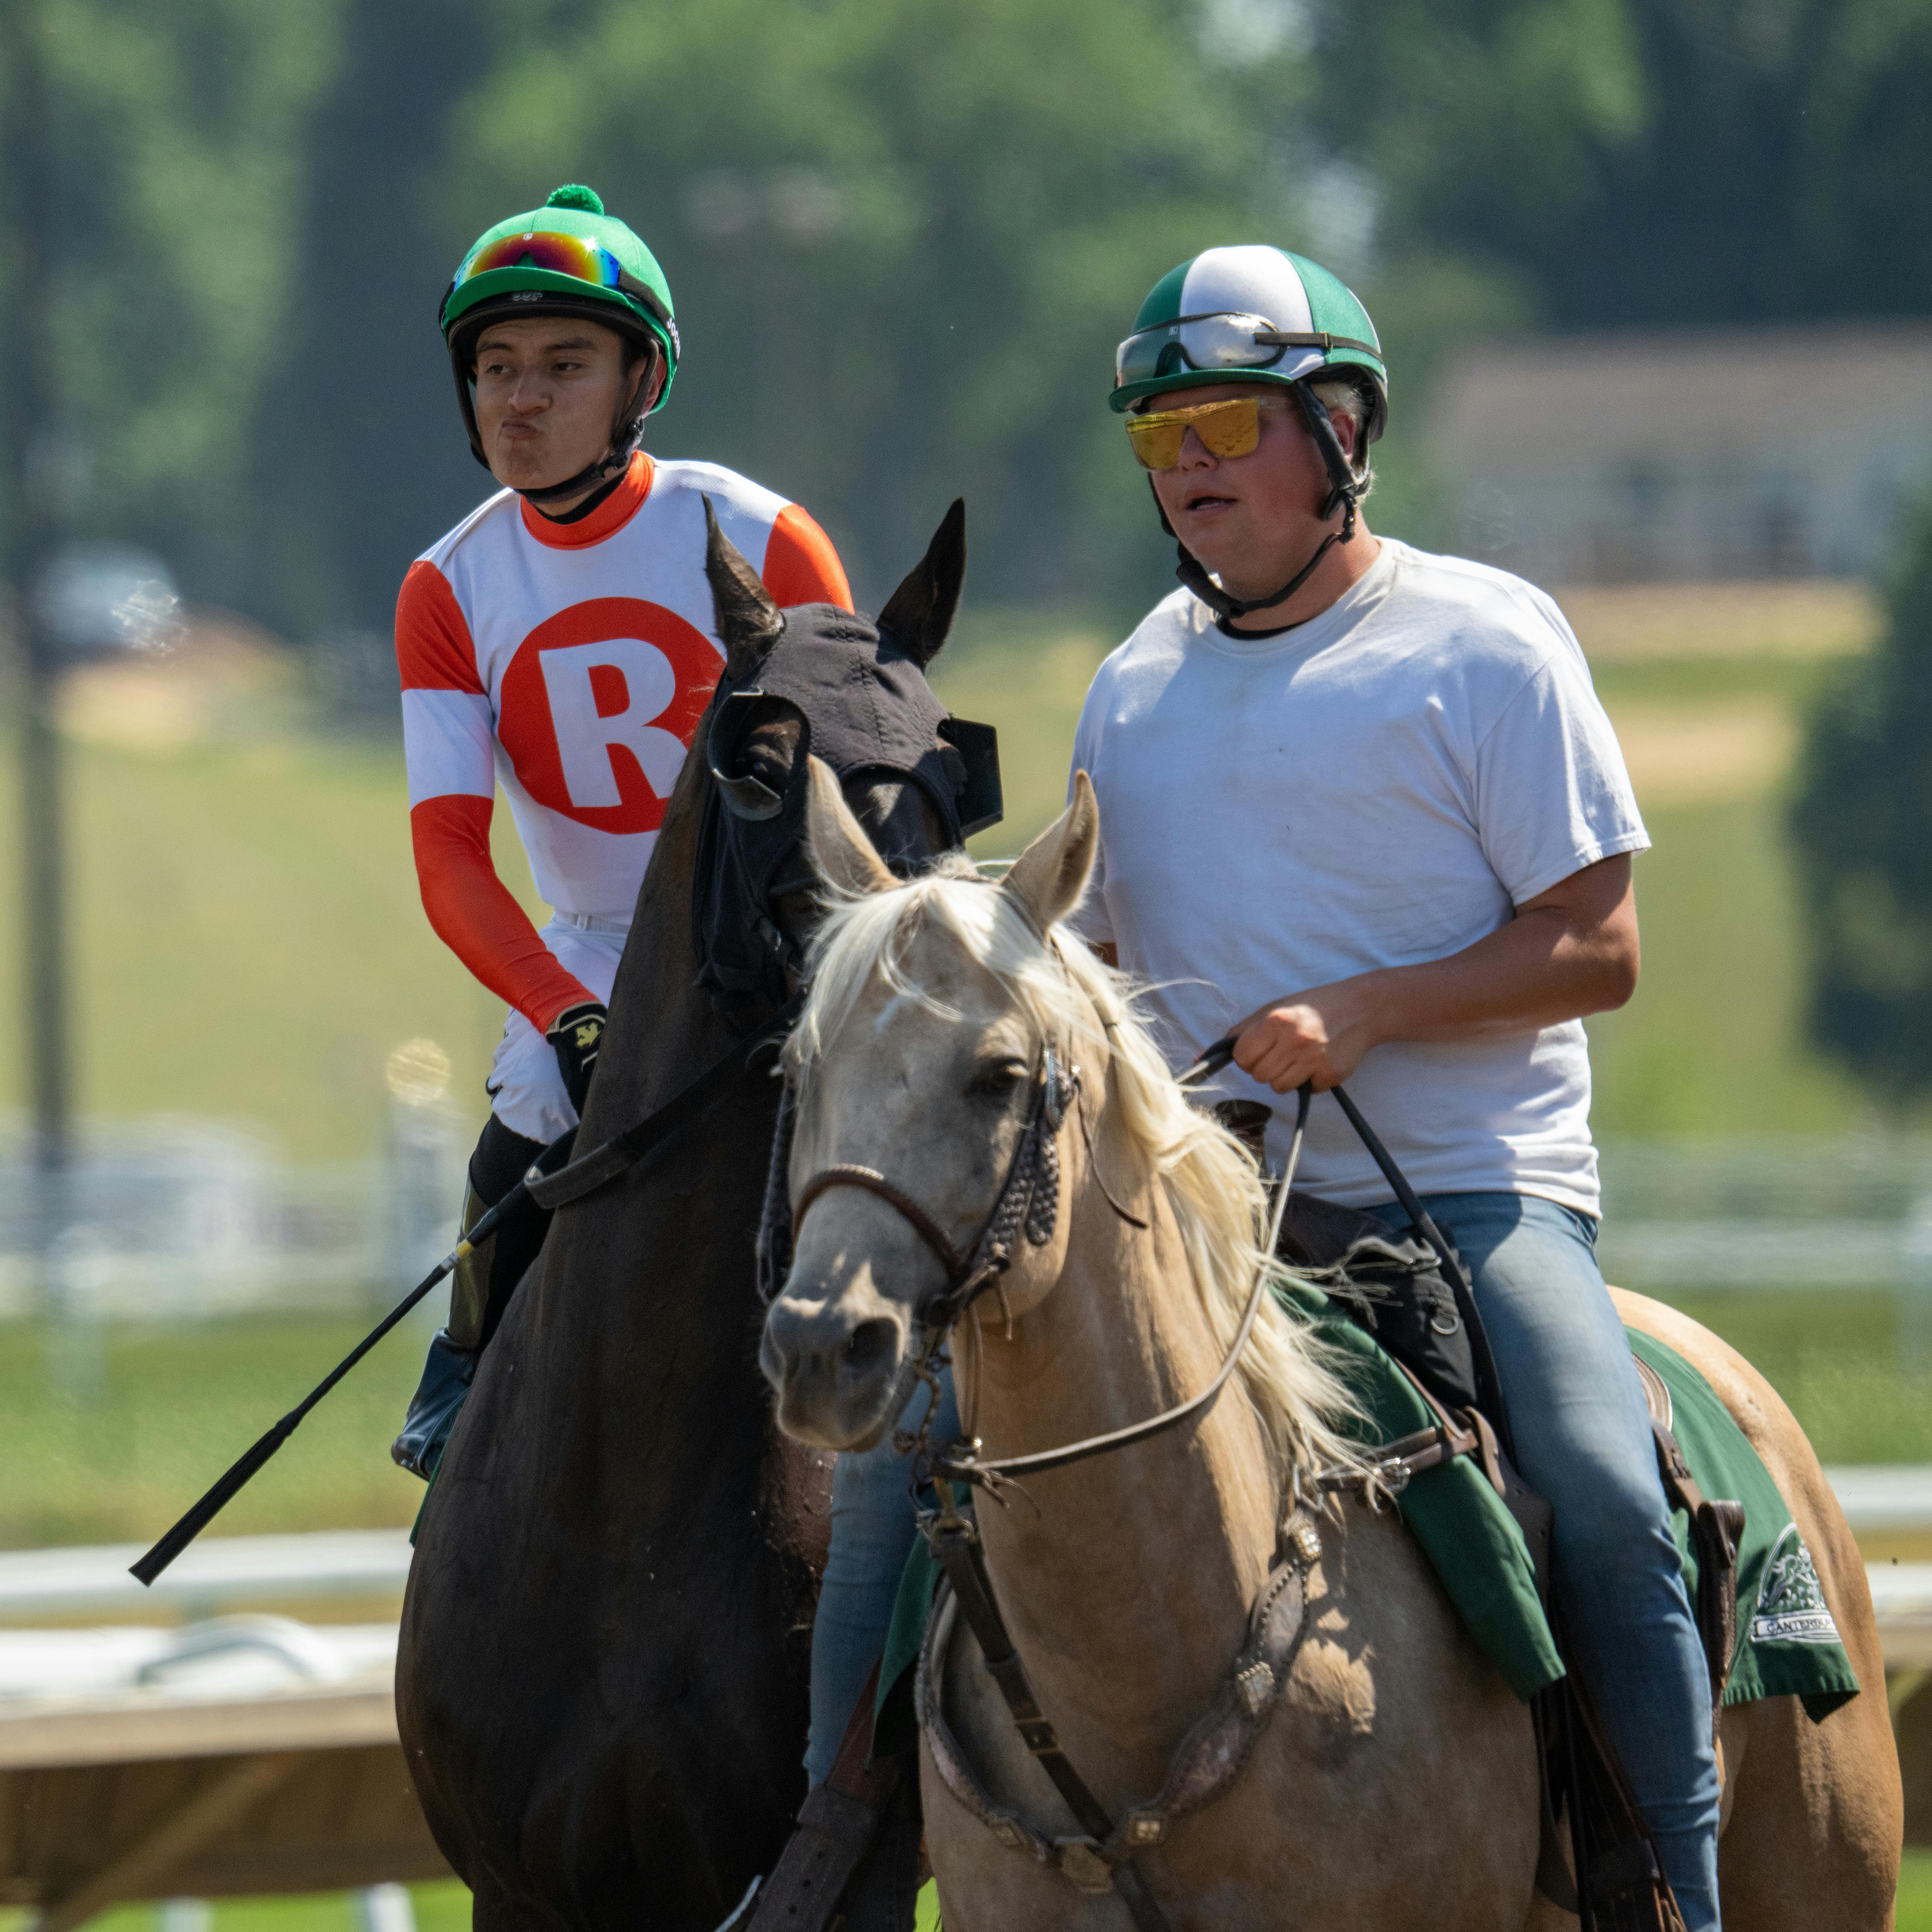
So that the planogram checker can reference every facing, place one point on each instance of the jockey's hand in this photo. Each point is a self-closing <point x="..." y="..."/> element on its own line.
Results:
<point x="1319" y="1036"/>
<point x="577" y="1034"/>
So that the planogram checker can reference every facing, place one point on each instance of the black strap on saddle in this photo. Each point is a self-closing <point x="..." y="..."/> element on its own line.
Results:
<point x="1410" y="1293"/>
<point x="854" y="1851"/>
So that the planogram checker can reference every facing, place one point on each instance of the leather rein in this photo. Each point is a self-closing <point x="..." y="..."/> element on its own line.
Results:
<point x="1028" y="1198"/>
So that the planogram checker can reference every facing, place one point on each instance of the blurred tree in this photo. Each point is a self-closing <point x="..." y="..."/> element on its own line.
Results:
<point x="358" y="462"/>
<point x="180" y="149"/>
<point x="1649" y="161"/>
<point x="1862" y="823"/>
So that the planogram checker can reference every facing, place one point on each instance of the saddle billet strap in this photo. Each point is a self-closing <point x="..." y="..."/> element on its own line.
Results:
<point x="603" y="1164"/>
<point x="1620" y="1874"/>
<point x="1534" y="1515"/>
<point x="1212" y="1757"/>
<point x="838" y="1825"/>
<point x="1718" y="1531"/>
<point x="1407" y="1456"/>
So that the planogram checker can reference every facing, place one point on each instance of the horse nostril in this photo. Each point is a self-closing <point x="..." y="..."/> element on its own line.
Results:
<point x="869" y="1344"/>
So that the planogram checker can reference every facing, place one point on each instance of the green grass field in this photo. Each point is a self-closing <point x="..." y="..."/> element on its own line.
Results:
<point x="179" y="1405"/>
<point x="248" y="945"/>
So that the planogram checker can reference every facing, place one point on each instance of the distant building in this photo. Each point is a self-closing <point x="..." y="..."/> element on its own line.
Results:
<point x="1718" y="455"/>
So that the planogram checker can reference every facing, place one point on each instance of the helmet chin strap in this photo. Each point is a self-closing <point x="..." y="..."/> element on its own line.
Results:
<point x="624" y="438"/>
<point x="1345" y="488"/>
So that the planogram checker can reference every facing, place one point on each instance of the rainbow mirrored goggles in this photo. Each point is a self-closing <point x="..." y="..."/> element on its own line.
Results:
<point x="558" y="254"/>
<point x="1217" y="342"/>
<point x="1230" y="427"/>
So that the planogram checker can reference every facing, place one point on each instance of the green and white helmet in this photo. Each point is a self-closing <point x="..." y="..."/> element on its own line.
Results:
<point x="1251" y="313"/>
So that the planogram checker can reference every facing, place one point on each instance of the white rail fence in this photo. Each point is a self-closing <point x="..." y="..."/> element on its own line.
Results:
<point x="172" y="1220"/>
<point x="169" y="1220"/>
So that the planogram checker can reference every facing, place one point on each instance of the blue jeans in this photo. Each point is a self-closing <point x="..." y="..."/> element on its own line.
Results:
<point x="872" y="1530"/>
<point x="1583" y="1437"/>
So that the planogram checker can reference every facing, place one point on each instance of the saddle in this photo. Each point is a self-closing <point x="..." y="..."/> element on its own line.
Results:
<point x="1397" y="1287"/>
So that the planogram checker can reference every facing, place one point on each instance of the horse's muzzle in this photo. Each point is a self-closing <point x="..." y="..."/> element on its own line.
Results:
<point x="833" y="1355"/>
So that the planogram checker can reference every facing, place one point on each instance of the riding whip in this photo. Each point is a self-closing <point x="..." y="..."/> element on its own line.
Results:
<point x="243" y="1470"/>
<point x="552" y="1180"/>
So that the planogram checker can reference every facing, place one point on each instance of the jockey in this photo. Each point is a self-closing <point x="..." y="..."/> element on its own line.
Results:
<point x="1360" y="808"/>
<point x="558" y="642"/>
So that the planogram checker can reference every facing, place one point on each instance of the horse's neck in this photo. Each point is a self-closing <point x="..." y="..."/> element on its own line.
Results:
<point x="1127" y="1589"/>
<point x="663" y="1033"/>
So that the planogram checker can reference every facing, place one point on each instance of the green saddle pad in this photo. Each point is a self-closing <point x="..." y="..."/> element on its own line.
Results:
<point x="1787" y="1643"/>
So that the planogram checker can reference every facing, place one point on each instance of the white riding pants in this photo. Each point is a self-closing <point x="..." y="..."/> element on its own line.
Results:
<point x="525" y="1084"/>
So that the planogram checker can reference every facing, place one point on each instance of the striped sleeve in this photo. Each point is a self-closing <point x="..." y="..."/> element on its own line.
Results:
<point x="449" y="740"/>
<point x="448" y="731"/>
<point x="801" y="566"/>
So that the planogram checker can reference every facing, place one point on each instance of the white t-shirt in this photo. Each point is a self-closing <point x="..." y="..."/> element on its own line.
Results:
<point x="1380" y="786"/>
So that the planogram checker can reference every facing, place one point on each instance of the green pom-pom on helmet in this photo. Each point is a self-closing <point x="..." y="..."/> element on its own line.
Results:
<point x="567" y="258"/>
<point x="1249" y="314"/>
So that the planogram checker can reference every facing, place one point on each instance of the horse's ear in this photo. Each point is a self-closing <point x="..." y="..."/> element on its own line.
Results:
<point x="748" y="622"/>
<point x="1048" y="878"/>
<point x="841" y="854"/>
<point x="918" y="614"/>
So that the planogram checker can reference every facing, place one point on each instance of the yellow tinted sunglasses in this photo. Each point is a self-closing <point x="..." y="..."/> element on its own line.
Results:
<point x="1230" y="427"/>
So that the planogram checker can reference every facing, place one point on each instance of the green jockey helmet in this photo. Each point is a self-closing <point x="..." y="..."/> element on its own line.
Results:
<point x="1250" y="314"/>
<point x="567" y="258"/>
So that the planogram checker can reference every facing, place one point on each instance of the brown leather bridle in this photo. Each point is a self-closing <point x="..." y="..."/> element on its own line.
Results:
<point x="1028" y="1198"/>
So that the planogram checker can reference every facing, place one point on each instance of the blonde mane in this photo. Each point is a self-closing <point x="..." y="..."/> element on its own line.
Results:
<point x="1219" y="1201"/>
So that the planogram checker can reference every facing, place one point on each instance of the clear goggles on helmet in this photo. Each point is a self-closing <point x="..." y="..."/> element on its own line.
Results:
<point x="1215" y="343"/>
<point x="561" y="254"/>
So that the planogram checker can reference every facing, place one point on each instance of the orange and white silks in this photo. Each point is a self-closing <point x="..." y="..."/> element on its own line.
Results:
<point x="571" y="663"/>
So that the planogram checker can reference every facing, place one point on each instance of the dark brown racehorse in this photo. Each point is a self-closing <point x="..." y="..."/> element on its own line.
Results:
<point x="602" y="1682"/>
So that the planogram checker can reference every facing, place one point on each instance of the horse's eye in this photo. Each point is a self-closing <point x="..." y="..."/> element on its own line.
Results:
<point x="998" y="1078"/>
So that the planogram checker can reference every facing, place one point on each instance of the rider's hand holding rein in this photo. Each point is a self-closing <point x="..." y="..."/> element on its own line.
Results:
<point x="1569" y="952"/>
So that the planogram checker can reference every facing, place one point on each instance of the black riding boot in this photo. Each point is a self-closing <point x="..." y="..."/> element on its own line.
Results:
<point x="479" y="1291"/>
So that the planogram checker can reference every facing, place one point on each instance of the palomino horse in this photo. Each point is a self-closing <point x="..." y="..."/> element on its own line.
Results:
<point x="1392" y="1783"/>
<point x="603" y="1675"/>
